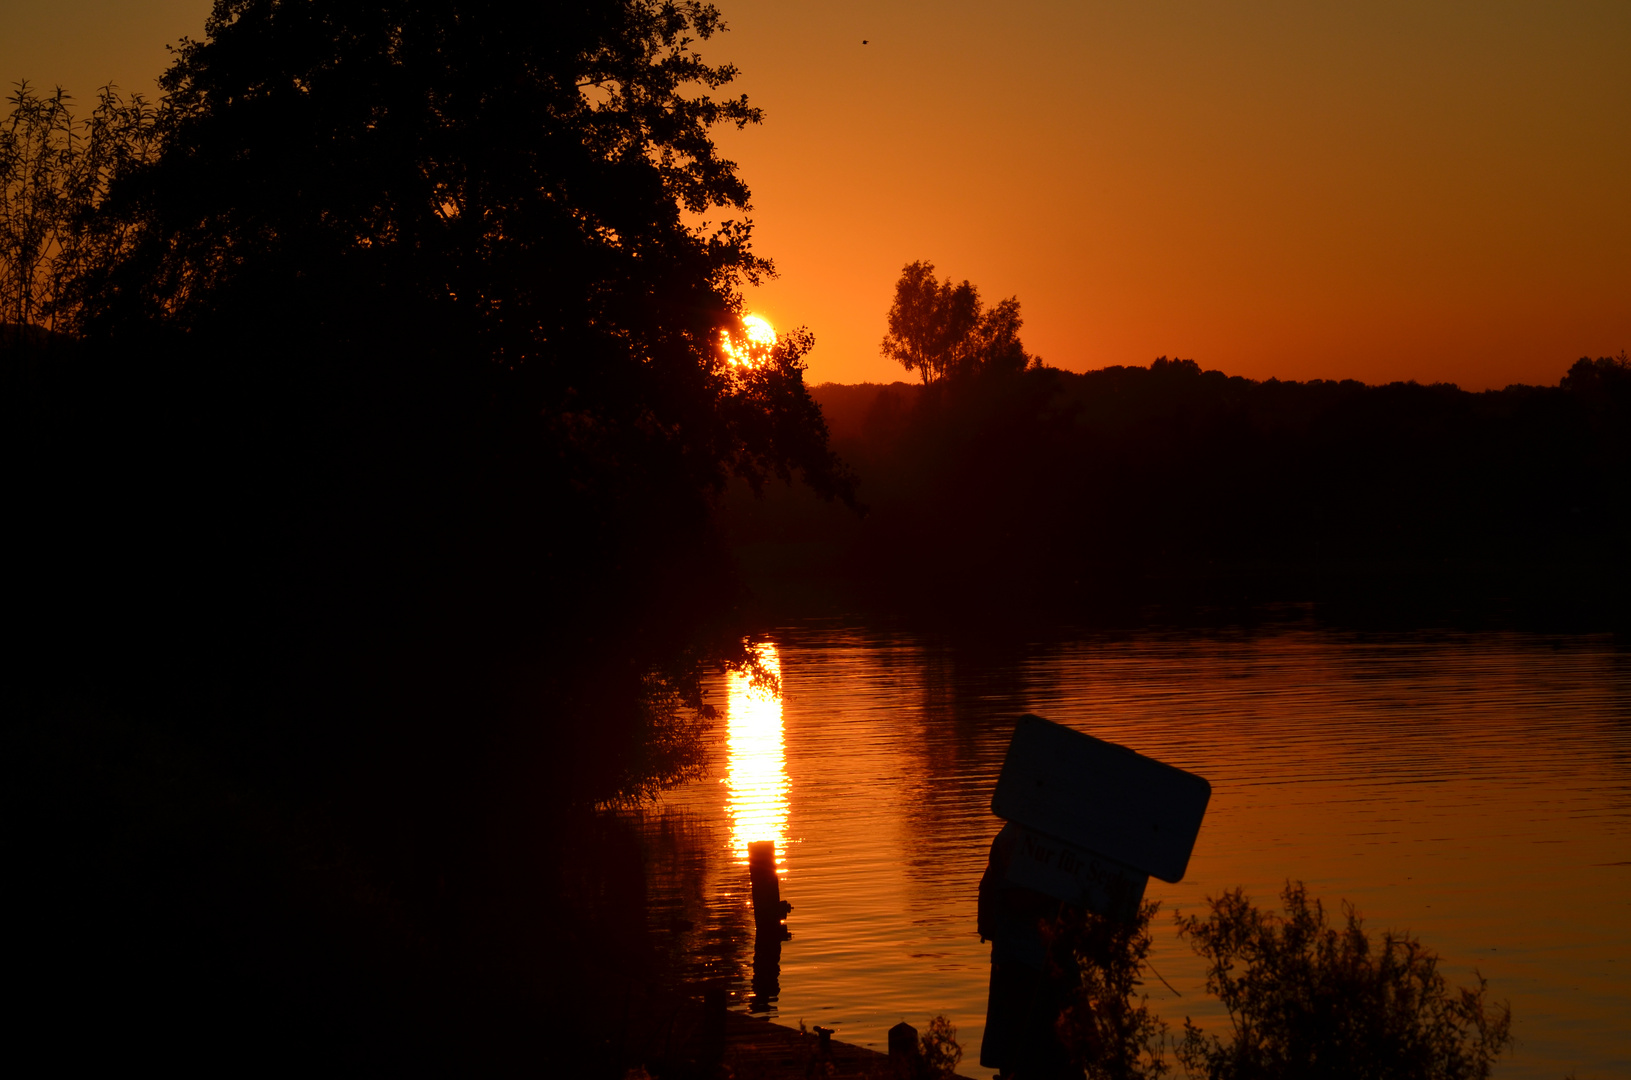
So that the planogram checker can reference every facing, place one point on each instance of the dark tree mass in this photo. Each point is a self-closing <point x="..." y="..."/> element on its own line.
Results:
<point x="1089" y="495"/>
<point x="402" y="332"/>
<point x="370" y="406"/>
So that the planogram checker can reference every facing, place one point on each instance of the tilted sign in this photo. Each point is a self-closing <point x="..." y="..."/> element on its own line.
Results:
<point x="1069" y="873"/>
<point x="1102" y="797"/>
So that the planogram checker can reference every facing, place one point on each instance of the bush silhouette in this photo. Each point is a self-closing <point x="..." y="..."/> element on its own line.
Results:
<point x="1106" y="1025"/>
<point x="1306" y="999"/>
<point x="938" y="1050"/>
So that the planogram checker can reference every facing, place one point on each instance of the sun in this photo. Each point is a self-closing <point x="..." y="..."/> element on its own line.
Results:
<point x="752" y="348"/>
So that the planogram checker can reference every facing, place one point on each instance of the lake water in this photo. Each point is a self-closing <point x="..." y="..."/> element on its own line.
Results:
<point x="1474" y="790"/>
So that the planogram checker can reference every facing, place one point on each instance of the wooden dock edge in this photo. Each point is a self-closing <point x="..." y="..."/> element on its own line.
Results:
<point x="760" y="1049"/>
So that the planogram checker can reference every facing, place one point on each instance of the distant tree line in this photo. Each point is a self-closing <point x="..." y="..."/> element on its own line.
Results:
<point x="1054" y="491"/>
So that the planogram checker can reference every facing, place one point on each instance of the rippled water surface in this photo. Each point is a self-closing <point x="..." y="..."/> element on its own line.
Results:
<point x="1474" y="790"/>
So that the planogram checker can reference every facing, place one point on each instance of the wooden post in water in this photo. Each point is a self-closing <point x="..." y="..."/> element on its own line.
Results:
<point x="903" y="1041"/>
<point x="769" y="909"/>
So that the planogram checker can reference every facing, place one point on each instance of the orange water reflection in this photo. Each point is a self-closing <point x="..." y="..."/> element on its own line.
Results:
<point x="756" y="774"/>
<point x="1472" y="789"/>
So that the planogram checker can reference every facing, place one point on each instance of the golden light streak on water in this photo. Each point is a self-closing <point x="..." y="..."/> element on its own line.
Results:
<point x="756" y="776"/>
<point x="1473" y="789"/>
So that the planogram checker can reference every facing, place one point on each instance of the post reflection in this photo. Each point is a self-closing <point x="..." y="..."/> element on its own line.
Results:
<point x="756" y="774"/>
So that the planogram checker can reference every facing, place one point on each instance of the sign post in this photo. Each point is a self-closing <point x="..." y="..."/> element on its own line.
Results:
<point x="1075" y="875"/>
<point x="1089" y="823"/>
<point x="1100" y="796"/>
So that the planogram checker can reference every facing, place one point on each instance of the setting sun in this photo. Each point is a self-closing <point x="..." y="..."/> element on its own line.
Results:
<point x="753" y="344"/>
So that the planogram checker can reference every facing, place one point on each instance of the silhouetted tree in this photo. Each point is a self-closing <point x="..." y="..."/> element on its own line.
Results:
<point x="417" y="309"/>
<point x="942" y="330"/>
<point x="997" y="347"/>
<point x="34" y="146"/>
<point x="1605" y="375"/>
<point x="519" y="186"/>
<point x="938" y="1051"/>
<point x="381" y="478"/>
<point x="1603" y="389"/>
<point x="54" y="171"/>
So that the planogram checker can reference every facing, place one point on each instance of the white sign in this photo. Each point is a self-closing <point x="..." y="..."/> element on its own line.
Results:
<point x="1069" y="873"/>
<point x="1102" y="797"/>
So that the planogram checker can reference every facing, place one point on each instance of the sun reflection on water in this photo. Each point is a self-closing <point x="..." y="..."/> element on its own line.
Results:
<point x="756" y="777"/>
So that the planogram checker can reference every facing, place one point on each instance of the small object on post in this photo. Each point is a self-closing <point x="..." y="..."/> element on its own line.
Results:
<point x="825" y="1034"/>
<point x="903" y="1040"/>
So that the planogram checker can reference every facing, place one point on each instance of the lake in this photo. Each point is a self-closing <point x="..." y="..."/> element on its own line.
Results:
<point x="1471" y="789"/>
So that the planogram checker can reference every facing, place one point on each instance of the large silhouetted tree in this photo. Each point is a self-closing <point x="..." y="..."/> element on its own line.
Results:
<point x="379" y="471"/>
<point x="433" y="293"/>
<point x="528" y="189"/>
<point x="399" y="329"/>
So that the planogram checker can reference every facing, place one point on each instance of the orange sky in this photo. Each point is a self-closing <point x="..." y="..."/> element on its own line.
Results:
<point x="1428" y="190"/>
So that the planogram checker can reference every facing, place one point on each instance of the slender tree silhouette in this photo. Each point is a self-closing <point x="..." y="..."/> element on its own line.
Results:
<point x="54" y="172"/>
<point x="942" y="330"/>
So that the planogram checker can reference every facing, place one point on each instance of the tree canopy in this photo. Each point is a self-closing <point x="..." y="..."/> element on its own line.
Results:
<point x="530" y="190"/>
<point x="942" y="330"/>
<point x="400" y="327"/>
<point x="54" y="171"/>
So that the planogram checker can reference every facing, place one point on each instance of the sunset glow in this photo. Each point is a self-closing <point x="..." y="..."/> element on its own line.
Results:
<point x="1322" y="223"/>
<point x="756" y="777"/>
<point x="1187" y="489"/>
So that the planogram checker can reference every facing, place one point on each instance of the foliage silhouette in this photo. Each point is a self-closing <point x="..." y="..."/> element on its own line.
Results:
<point x="938" y="1050"/>
<point x="1308" y="999"/>
<point x="407" y="317"/>
<point x="516" y="186"/>
<point x="1089" y="495"/>
<point x="942" y="331"/>
<point x="374" y="471"/>
<point x="1106" y="1024"/>
<point x="1304" y="999"/>
<point x="54" y="172"/>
